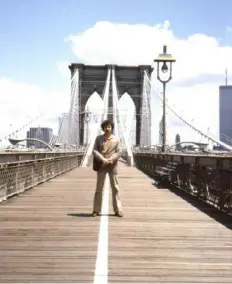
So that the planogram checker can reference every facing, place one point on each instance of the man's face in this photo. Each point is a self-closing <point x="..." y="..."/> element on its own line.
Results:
<point x="108" y="129"/>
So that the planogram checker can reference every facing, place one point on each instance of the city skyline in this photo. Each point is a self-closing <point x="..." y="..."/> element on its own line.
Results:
<point x="41" y="133"/>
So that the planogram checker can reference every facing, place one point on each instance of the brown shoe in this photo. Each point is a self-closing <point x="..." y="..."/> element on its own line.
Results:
<point x="95" y="214"/>
<point x="119" y="214"/>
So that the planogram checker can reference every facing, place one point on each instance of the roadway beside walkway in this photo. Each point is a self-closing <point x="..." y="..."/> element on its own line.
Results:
<point x="47" y="235"/>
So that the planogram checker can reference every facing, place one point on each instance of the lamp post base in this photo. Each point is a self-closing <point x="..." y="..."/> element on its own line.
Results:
<point x="164" y="149"/>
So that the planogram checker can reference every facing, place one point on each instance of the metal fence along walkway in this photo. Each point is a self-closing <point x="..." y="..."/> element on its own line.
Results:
<point x="47" y="235"/>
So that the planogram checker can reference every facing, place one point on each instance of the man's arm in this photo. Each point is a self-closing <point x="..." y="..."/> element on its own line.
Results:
<point x="96" y="153"/>
<point x="118" y="151"/>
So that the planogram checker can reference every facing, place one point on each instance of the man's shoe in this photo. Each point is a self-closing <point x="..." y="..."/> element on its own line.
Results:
<point x="95" y="214"/>
<point x="119" y="214"/>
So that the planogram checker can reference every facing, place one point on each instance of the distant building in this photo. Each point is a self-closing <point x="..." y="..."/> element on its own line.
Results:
<point x="177" y="140"/>
<point x="225" y="114"/>
<point x="41" y="133"/>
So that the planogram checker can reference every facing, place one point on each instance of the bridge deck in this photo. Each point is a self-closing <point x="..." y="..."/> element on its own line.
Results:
<point x="47" y="235"/>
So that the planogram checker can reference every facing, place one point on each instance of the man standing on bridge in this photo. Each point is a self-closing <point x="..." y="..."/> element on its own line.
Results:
<point x="107" y="151"/>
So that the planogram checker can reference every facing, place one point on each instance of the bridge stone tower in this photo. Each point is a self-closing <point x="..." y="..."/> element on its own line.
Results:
<point x="129" y="79"/>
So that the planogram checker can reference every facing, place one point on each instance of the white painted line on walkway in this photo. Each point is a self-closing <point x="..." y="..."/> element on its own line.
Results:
<point x="101" y="268"/>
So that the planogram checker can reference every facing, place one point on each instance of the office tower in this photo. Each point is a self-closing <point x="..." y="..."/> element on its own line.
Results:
<point x="225" y="114"/>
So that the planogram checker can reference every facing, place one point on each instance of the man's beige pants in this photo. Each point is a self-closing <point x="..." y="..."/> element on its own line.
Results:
<point x="101" y="176"/>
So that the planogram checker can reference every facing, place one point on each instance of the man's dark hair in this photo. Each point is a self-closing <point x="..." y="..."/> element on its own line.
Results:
<point x="107" y="122"/>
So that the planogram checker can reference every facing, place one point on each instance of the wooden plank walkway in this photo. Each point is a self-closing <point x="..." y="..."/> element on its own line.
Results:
<point x="48" y="236"/>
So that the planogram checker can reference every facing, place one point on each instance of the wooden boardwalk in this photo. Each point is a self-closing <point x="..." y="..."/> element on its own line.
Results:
<point x="48" y="236"/>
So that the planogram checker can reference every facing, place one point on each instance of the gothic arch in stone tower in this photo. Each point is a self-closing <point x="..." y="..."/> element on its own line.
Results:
<point x="129" y="79"/>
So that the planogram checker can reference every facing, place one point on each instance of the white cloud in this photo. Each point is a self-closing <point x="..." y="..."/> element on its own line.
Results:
<point x="198" y="71"/>
<point x="21" y="102"/>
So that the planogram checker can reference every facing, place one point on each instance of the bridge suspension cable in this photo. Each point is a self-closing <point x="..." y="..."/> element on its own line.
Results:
<point x="117" y="119"/>
<point x="115" y="105"/>
<point x="62" y="136"/>
<point x="89" y="149"/>
<point x="22" y="127"/>
<point x="73" y="136"/>
<point x="225" y="146"/>
<point x="145" y="139"/>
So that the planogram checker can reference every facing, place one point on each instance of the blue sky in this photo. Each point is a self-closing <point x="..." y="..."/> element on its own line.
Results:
<point x="32" y="32"/>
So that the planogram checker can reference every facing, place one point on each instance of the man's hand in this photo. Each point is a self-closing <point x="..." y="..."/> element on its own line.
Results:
<point x="106" y="162"/>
